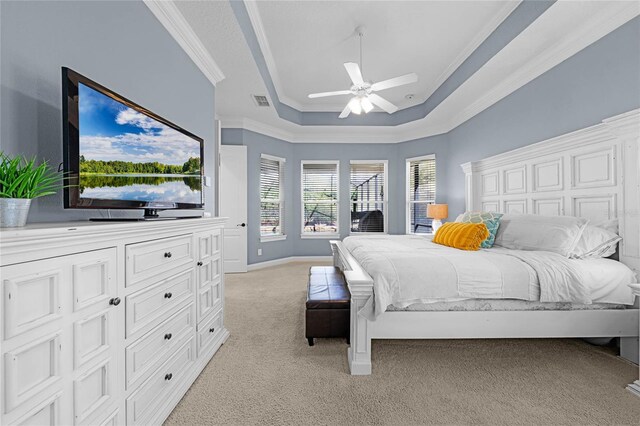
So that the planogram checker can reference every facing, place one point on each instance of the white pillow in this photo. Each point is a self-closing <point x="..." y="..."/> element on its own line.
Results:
<point x="599" y="239"/>
<point x="558" y="234"/>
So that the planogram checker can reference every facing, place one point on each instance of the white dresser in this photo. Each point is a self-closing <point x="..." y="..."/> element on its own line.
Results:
<point x="107" y="323"/>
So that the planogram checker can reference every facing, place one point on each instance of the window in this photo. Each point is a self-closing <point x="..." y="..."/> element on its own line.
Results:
<point x="421" y="191"/>
<point x="368" y="191"/>
<point x="271" y="198"/>
<point x="320" y="198"/>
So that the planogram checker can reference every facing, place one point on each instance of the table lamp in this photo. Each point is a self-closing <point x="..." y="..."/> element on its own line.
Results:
<point x="437" y="212"/>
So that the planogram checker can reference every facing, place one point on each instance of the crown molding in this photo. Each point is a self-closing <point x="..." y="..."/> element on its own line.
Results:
<point x="320" y="134"/>
<point x="175" y="23"/>
<point x="613" y="16"/>
<point x="257" y="127"/>
<point x="482" y="35"/>
<point x="577" y="39"/>
<point x="263" y="42"/>
<point x="258" y="28"/>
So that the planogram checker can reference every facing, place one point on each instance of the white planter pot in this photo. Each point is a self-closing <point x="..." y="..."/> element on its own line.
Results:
<point x="14" y="212"/>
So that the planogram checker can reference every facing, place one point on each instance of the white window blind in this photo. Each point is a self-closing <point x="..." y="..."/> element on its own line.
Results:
<point x="368" y="196"/>
<point x="421" y="191"/>
<point x="320" y="198"/>
<point x="271" y="196"/>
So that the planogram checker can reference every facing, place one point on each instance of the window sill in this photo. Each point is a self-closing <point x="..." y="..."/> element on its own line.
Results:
<point x="270" y="238"/>
<point x="317" y="236"/>
<point x="352" y="233"/>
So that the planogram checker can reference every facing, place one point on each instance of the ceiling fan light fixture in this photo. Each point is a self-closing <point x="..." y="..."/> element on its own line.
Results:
<point x="364" y="99"/>
<point x="354" y="106"/>
<point x="367" y="106"/>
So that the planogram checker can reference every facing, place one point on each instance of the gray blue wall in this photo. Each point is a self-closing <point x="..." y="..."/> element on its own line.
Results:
<point x="600" y="81"/>
<point x="294" y="245"/>
<point x="118" y="44"/>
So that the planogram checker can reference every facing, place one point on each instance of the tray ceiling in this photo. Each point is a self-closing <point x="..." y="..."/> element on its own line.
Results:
<point x="285" y="50"/>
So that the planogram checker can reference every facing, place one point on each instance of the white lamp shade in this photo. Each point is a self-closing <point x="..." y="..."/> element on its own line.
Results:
<point x="354" y="106"/>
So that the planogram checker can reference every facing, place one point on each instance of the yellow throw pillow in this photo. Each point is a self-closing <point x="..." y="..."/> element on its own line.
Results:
<point x="463" y="236"/>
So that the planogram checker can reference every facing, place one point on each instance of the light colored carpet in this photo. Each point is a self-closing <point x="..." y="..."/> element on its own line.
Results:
<point x="267" y="374"/>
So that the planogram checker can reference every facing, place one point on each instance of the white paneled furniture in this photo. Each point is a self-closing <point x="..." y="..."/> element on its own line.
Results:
<point x="107" y="324"/>
<point x="593" y="172"/>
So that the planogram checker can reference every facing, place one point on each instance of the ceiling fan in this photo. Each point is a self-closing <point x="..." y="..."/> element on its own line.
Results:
<point x="363" y="97"/>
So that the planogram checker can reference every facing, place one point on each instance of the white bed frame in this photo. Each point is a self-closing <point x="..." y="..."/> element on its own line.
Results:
<point x="591" y="173"/>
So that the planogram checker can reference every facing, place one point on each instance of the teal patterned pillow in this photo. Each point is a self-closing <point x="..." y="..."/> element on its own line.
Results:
<point x="490" y="219"/>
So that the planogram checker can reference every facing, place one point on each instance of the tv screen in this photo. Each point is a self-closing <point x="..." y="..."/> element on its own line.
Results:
<point x="120" y="155"/>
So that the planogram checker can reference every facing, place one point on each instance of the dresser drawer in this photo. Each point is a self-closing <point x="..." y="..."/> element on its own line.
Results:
<point x="145" y="402"/>
<point x="208" y="332"/>
<point x="154" y="346"/>
<point x="153" y="304"/>
<point x="157" y="257"/>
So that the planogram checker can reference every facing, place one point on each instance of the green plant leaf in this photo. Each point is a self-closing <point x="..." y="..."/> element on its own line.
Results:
<point x="20" y="177"/>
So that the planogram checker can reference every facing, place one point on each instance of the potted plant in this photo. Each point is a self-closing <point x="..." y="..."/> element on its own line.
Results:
<point x="21" y="180"/>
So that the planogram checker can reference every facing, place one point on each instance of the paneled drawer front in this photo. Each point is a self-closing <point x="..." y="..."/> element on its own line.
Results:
<point x="146" y="352"/>
<point x="143" y="404"/>
<point x="208" y="332"/>
<point x="152" y="258"/>
<point x="31" y="296"/>
<point x="92" y="391"/>
<point x="209" y="244"/>
<point x="209" y="300"/>
<point x="30" y="370"/>
<point x="151" y="305"/>
<point x="94" y="280"/>
<point x="113" y="419"/>
<point x="209" y="271"/>
<point x="45" y="414"/>
<point x="93" y="337"/>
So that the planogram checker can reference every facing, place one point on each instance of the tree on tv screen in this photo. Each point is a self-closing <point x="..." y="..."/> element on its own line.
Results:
<point x="190" y="167"/>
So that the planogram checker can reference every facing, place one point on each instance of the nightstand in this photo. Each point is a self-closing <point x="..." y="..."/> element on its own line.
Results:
<point x="635" y="386"/>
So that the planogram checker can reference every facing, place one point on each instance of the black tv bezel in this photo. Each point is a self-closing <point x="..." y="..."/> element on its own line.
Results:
<point x="71" y="148"/>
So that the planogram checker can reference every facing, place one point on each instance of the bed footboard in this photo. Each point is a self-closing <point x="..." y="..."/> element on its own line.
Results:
<point x="361" y="287"/>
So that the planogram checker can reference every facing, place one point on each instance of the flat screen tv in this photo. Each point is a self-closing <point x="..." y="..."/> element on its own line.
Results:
<point x="119" y="155"/>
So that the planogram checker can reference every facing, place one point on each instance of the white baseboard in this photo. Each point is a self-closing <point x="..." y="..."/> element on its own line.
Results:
<point x="284" y="260"/>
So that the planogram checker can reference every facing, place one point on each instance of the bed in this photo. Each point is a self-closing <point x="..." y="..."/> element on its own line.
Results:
<point x="592" y="173"/>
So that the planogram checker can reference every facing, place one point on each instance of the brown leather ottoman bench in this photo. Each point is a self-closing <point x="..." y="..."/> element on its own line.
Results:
<point x="328" y="304"/>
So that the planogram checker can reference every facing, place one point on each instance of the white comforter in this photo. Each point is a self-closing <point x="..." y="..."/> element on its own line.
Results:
<point x="409" y="269"/>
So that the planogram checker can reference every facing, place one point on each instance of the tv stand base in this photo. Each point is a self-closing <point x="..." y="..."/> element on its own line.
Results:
<point x="149" y="214"/>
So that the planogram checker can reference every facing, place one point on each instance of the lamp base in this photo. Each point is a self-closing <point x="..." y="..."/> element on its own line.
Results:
<point x="435" y="224"/>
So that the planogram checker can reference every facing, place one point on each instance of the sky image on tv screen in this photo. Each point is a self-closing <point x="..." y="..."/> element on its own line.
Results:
<point x="127" y="155"/>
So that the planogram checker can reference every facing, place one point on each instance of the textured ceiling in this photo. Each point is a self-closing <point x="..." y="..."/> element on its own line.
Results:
<point x="216" y="26"/>
<point x="310" y="40"/>
<point x="307" y="42"/>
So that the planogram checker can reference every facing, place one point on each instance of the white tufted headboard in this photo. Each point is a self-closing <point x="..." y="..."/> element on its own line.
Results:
<point x="592" y="173"/>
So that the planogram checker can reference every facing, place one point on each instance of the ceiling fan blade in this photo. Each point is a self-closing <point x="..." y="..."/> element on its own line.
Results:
<point x="394" y="82"/>
<point x="353" y="70"/>
<point x="345" y="112"/>
<point x="323" y="94"/>
<point x="383" y="103"/>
